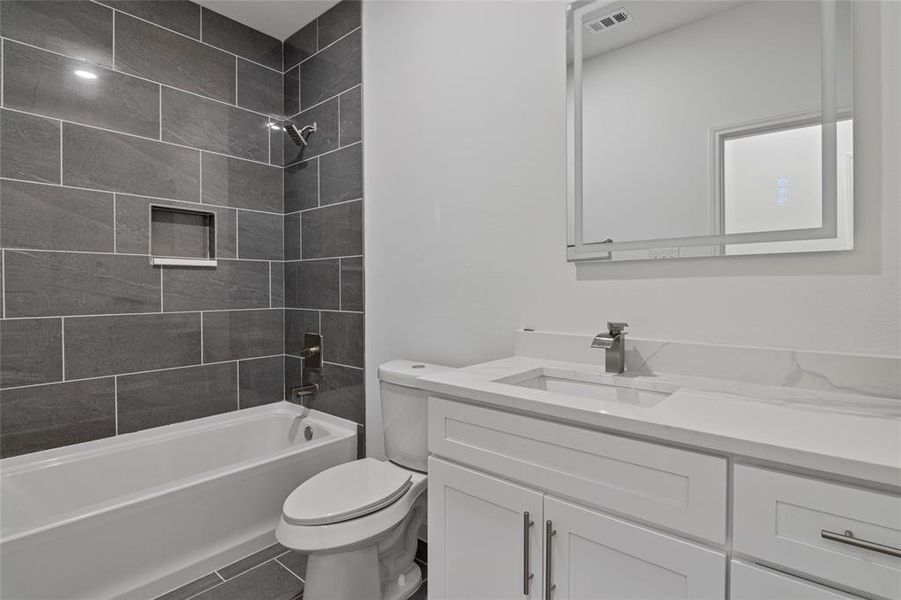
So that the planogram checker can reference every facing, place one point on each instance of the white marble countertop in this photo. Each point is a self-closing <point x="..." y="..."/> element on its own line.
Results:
<point x="847" y="435"/>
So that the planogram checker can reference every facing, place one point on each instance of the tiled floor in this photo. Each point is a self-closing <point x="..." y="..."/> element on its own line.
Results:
<point x="274" y="573"/>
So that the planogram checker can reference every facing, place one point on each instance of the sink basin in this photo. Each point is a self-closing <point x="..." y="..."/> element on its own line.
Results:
<point x="587" y="385"/>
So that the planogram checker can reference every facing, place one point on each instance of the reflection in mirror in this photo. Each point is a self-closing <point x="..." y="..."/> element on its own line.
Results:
<point x="709" y="127"/>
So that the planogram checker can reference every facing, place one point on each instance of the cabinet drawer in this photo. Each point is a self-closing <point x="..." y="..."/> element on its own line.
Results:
<point x="781" y="518"/>
<point x="680" y="490"/>
<point x="750" y="582"/>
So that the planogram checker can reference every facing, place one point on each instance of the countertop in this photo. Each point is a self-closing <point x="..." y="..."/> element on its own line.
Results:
<point x="848" y="435"/>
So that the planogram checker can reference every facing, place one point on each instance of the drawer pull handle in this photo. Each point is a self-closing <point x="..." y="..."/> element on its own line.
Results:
<point x="526" y="559"/>
<point x="848" y="538"/>
<point x="549" y="532"/>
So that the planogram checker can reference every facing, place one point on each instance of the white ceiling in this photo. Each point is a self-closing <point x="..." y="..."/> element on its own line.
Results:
<point x="278" y="18"/>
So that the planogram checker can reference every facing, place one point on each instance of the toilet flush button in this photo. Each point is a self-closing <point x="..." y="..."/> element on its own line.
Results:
<point x="401" y="580"/>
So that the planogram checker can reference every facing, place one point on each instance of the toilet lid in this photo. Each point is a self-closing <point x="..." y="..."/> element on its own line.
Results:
<point x="346" y="492"/>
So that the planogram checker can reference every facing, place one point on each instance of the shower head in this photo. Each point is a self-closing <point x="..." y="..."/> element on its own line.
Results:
<point x="300" y="135"/>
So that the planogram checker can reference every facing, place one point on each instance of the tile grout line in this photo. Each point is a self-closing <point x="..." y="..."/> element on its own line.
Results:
<point x="116" y="401"/>
<point x="3" y="275"/>
<point x="329" y="99"/>
<point x="149" y="139"/>
<point x="201" y="338"/>
<point x="276" y="559"/>
<point x="62" y="342"/>
<point x="146" y="197"/>
<point x="237" y="385"/>
<point x="20" y="250"/>
<point x="147" y="314"/>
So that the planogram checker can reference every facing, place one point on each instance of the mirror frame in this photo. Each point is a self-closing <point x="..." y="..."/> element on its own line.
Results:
<point x="705" y="245"/>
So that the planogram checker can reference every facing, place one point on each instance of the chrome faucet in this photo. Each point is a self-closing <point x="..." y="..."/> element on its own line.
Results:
<point x="614" y="342"/>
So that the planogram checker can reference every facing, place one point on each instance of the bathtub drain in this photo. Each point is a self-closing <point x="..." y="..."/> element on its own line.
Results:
<point x="308" y="433"/>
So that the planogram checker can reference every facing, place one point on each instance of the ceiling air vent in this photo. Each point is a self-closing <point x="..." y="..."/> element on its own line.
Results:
<point x="607" y="21"/>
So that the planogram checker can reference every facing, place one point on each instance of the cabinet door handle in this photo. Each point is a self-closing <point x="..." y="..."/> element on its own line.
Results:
<point x="549" y="586"/>
<point x="526" y="550"/>
<point x="848" y="538"/>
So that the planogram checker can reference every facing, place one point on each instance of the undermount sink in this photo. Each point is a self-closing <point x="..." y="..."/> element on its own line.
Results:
<point x="588" y="385"/>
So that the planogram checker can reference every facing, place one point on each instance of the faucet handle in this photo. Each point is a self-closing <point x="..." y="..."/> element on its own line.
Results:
<point x="617" y="327"/>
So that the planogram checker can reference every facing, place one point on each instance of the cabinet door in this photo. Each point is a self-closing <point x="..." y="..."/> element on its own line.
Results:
<point x="480" y="546"/>
<point x="596" y="557"/>
<point x="750" y="582"/>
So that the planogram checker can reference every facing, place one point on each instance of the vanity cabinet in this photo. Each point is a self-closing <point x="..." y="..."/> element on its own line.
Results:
<point x="521" y="507"/>
<point x="500" y="540"/>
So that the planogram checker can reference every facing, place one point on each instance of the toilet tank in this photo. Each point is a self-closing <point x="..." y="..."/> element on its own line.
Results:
<point x="405" y="412"/>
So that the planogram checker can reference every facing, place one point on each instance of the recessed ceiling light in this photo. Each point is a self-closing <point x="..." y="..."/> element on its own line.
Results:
<point x="85" y="74"/>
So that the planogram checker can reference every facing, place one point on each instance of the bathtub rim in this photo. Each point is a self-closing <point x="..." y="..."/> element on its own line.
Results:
<point x="339" y="429"/>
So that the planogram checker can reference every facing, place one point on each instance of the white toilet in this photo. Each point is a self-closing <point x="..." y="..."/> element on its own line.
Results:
<point x="359" y="522"/>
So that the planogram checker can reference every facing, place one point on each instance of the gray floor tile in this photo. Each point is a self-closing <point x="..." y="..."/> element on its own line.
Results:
<point x="249" y="562"/>
<point x="295" y="562"/>
<point x="269" y="581"/>
<point x="192" y="589"/>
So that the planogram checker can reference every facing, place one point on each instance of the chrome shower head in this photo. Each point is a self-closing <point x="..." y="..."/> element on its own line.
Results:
<point x="300" y="135"/>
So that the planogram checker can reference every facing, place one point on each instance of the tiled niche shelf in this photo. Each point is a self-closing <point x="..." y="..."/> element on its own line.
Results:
<point x="180" y="237"/>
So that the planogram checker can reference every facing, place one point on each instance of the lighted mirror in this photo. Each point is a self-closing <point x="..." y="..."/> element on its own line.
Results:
<point x="703" y="128"/>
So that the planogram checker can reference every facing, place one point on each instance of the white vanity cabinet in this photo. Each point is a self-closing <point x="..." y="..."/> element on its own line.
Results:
<point x="522" y="507"/>
<point x="499" y="540"/>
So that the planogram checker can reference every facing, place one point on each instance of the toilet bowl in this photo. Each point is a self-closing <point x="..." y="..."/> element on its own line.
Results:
<point x="359" y="522"/>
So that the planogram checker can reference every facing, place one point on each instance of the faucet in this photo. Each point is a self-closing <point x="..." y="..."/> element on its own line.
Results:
<point x="614" y="343"/>
<point x="312" y="361"/>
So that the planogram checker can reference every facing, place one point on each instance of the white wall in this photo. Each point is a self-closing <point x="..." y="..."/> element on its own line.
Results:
<point x="465" y="224"/>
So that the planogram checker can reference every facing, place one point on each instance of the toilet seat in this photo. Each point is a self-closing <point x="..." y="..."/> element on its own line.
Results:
<point x="347" y="491"/>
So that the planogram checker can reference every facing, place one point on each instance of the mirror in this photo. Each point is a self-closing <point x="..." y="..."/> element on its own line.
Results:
<point x="705" y="128"/>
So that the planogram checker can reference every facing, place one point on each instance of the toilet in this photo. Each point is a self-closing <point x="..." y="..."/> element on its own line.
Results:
<point x="358" y="522"/>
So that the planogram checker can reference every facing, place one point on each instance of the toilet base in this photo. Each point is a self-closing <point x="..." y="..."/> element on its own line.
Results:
<point x="354" y="575"/>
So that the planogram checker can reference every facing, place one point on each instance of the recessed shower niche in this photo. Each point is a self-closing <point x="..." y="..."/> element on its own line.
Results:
<point x="182" y="237"/>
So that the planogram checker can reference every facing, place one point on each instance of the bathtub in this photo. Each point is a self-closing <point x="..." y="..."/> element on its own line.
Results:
<point x="140" y="514"/>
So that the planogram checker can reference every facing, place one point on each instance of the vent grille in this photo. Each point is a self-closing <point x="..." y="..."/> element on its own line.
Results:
<point x="605" y="22"/>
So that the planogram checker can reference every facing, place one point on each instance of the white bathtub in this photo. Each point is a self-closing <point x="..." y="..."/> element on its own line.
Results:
<point x="140" y="514"/>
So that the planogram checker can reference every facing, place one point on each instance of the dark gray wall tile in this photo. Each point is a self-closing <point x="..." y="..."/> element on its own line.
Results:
<point x="123" y="344"/>
<point x="178" y="15"/>
<point x="133" y="224"/>
<point x="342" y="338"/>
<point x="331" y="71"/>
<point x="260" y="235"/>
<point x="198" y="585"/>
<point x="341" y="392"/>
<point x="31" y="351"/>
<point x="51" y="283"/>
<point x="302" y="186"/>
<point x="277" y="284"/>
<point x="259" y="88"/>
<point x="103" y="160"/>
<point x="276" y="144"/>
<point x="234" y="334"/>
<point x="75" y="27"/>
<point x="261" y="381"/>
<point x="301" y="45"/>
<point x="341" y="175"/>
<point x="48" y="416"/>
<point x="338" y="21"/>
<point x="50" y="217"/>
<point x="332" y="230"/>
<point x="164" y="397"/>
<point x="154" y="53"/>
<point x="291" y="92"/>
<point x="232" y="284"/>
<point x="210" y="125"/>
<point x="45" y="83"/>
<point x="292" y="375"/>
<point x="325" y="139"/>
<point x="240" y="183"/>
<point x="31" y="147"/>
<point x="351" y="125"/>
<point x="270" y="580"/>
<point x="298" y="323"/>
<point x="312" y="284"/>
<point x="352" y="283"/>
<point x="292" y="237"/>
<point x="237" y="38"/>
